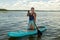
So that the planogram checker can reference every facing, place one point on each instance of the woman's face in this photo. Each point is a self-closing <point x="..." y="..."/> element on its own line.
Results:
<point x="32" y="10"/>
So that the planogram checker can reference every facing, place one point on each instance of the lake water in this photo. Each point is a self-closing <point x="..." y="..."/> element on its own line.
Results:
<point x="17" y="20"/>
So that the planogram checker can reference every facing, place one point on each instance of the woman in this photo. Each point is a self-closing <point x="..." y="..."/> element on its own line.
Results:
<point x="32" y="19"/>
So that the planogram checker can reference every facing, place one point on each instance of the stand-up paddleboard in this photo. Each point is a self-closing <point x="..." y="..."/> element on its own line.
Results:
<point x="22" y="33"/>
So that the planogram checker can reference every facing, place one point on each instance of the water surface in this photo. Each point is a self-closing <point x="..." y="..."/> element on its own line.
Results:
<point x="17" y="20"/>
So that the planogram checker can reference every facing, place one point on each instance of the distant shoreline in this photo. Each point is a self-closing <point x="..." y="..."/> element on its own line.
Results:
<point x="38" y="10"/>
<point x="35" y="10"/>
<point x="3" y="9"/>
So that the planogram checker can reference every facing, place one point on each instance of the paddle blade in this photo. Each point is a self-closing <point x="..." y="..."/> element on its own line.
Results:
<point x="39" y="32"/>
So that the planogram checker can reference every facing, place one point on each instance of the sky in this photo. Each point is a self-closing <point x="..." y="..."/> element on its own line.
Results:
<point x="27" y="4"/>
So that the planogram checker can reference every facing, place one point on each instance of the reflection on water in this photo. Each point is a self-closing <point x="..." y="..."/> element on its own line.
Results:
<point x="17" y="20"/>
<point x="27" y="38"/>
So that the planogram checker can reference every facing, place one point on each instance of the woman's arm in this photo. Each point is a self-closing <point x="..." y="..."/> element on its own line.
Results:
<point x="28" y="13"/>
<point x="34" y="17"/>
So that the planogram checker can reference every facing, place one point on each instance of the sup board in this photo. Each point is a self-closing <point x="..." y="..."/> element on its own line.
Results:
<point x="22" y="33"/>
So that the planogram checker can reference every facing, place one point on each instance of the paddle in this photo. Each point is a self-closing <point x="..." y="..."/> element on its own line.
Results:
<point x="38" y="31"/>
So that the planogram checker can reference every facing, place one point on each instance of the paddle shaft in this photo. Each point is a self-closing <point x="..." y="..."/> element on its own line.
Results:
<point x="38" y="31"/>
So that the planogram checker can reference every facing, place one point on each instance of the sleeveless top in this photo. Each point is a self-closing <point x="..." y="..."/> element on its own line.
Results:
<point x="31" y="17"/>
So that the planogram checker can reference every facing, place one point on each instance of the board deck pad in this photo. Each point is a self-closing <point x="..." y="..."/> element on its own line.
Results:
<point x="22" y="33"/>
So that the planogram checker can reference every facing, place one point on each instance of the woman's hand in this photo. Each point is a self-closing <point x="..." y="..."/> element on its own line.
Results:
<point x="28" y="13"/>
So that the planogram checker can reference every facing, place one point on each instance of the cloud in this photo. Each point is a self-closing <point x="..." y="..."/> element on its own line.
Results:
<point x="38" y="5"/>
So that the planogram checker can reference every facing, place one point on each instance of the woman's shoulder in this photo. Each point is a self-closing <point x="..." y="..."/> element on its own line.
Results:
<point x="34" y="14"/>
